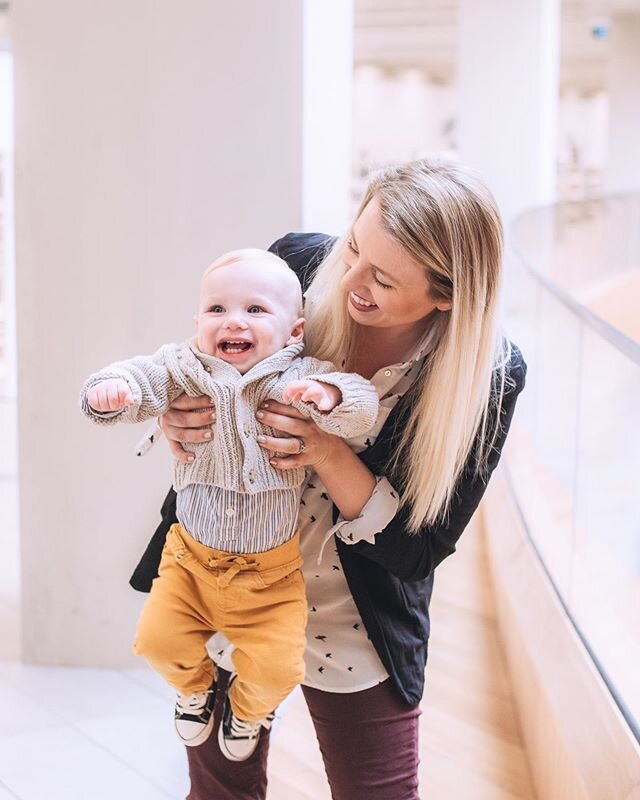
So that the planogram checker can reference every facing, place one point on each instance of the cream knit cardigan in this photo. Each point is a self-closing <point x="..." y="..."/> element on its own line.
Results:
<point x="233" y="459"/>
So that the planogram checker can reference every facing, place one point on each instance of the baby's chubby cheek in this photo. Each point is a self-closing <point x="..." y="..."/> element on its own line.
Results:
<point x="207" y="345"/>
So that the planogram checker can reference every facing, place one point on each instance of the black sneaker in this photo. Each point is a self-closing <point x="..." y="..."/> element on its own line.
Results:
<point x="237" y="738"/>
<point x="194" y="716"/>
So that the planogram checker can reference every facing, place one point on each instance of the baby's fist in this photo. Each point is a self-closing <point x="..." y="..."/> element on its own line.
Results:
<point x="324" y="396"/>
<point x="113" y="394"/>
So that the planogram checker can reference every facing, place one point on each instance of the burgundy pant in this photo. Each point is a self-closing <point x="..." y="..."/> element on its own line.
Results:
<point x="368" y="740"/>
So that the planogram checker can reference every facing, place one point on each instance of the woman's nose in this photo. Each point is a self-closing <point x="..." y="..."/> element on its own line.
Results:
<point x="353" y="277"/>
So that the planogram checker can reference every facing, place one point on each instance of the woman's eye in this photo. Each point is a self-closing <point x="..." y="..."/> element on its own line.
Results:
<point x="255" y="309"/>
<point x="351" y="247"/>
<point x="380" y="283"/>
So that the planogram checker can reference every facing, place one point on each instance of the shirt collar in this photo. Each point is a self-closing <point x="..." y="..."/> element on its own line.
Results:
<point x="424" y="346"/>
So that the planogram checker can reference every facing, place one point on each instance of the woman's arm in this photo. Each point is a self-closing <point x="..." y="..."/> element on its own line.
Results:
<point x="349" y="483"/>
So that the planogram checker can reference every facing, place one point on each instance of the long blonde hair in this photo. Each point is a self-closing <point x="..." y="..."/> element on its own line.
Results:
<point x="444" y="216"/>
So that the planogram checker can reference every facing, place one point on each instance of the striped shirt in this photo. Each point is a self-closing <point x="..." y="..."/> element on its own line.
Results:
<point x="235" y="522"/>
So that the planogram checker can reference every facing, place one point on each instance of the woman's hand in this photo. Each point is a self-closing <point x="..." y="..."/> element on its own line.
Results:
<point x="189" y="419"/>
<point x="317" y="449"/>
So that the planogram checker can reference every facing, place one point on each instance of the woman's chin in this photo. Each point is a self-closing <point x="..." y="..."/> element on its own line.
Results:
<point x="358" y="317"/>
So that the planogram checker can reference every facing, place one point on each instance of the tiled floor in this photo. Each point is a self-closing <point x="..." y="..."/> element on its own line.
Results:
<point x="76" y="734"/>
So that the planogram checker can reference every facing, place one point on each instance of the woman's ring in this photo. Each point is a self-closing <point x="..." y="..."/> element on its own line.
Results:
<point x="301" y="446"/>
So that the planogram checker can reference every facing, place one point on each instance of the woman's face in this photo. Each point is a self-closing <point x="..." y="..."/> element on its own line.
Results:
<point x="385" y="286"/>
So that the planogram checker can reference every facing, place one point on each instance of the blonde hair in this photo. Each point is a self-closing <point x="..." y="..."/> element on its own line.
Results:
<point x="444" y="216"/>
<point x="254" y="254"/>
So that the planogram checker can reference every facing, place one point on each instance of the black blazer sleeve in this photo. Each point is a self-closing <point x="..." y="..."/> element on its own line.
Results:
<point x="414" y="556"/>
<point x="302" y="252"/>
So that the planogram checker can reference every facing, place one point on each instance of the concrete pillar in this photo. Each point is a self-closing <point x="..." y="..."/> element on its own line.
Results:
<point x="327" y="100"/>
<point x="508" y="54"/>
<point x="150" y="138"/>
<point x="623" y="166"/>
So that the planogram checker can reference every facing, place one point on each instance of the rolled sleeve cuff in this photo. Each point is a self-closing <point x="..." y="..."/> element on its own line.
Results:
<point x="378" y="512"/>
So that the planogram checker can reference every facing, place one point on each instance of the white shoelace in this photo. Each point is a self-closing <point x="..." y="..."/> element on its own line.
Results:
<point x="249" y="730"/>
<point x="193" y="703"/>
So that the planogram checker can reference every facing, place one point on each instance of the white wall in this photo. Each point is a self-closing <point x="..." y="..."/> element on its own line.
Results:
<point x="508" y="60"/>
<point x="327" y="97"/>
<point x="149" y="138"/>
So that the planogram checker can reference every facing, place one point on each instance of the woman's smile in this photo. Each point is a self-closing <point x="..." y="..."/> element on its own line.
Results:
<point x="360" y="303"/>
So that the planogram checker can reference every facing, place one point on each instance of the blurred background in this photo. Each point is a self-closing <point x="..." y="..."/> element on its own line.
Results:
<point x="140" y="139"/>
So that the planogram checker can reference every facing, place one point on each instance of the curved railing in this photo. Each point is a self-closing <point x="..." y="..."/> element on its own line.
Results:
<point x="573" y="459"/>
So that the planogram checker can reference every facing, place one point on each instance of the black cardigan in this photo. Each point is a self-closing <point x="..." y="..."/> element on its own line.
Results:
<point x="392" y="580"/>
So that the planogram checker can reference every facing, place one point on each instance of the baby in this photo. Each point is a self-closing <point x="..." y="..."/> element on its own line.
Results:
<point x="232" y="564"/>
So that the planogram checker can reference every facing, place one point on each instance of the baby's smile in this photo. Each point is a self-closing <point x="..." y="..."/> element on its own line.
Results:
<point x="231" y="347"/>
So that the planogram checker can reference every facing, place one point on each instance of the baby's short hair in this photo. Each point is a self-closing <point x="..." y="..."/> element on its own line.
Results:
<point x="255" y="254"/>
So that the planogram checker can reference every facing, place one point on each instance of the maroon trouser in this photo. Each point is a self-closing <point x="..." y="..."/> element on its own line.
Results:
<point x="368" y="740"/>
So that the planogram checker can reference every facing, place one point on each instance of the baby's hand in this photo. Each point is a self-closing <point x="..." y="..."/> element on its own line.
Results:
<point x="110" y="395"/>
<point x="324" y="396"/>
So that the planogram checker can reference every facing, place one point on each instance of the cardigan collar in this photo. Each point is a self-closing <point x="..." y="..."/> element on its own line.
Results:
<point x="277" y="362"/>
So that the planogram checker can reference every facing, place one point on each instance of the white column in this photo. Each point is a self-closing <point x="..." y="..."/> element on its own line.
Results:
<point x="508" y="90"/>
<point x="150" y="138"/>
<point x="7" y="224"/>
<point x="328" y="80"/>
<point x="623" y="167"/>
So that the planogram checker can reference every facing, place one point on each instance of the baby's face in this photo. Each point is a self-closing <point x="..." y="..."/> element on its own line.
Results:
<point x="247" y="312"/>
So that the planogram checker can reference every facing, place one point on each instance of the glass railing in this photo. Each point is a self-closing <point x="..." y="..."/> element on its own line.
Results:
<point x="573" y="460"/>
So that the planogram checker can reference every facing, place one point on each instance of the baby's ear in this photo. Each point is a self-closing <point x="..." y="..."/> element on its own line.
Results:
<point x="297" y="331"/>
<point x="195" y="320"/>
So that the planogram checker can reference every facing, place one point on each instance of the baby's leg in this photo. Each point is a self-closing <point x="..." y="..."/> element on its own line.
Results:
<point x="174" y="628"/>
<point x="269" y="639"/>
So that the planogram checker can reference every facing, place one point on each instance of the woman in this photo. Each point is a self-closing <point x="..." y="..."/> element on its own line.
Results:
<point x="409" y="299"/>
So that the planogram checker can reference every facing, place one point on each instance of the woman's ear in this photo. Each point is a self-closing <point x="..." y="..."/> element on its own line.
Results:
<point x="297" y="331"/>
<point x="445" y="305"/>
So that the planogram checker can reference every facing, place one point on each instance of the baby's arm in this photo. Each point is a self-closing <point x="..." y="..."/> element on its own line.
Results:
<point x="134" y="390"/>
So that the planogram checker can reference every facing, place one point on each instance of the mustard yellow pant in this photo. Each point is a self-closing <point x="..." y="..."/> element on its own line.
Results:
<point x="256" y="600"/>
